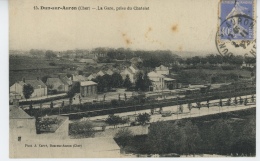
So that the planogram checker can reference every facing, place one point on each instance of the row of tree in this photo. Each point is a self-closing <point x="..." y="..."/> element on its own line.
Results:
<point x="142" y="119"/>
<point x="218" y="59"/>
<point x="106" y="82"/>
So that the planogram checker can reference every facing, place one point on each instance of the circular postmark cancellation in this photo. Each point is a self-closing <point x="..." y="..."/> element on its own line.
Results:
<point x="236" y="36"/>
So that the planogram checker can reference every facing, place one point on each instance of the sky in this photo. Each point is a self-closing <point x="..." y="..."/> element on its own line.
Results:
<point x="176" y="25"/>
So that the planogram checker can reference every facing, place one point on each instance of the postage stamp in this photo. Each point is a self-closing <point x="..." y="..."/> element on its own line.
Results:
<point x="236" y="18"/>
<point x="237" y="28"/>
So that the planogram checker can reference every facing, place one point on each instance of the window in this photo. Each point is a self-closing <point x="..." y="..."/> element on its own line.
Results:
<point x="19" y="138"/>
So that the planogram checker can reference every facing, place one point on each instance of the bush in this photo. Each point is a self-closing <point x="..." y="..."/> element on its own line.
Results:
<point x="114" y="102"/>
<point x="81" y="129"/>
<point x="52" y="64"/>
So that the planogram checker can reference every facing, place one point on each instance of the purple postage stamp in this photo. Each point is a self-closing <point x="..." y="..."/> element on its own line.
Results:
<point x="236" y="19"/>
<point x="236" y="33"/>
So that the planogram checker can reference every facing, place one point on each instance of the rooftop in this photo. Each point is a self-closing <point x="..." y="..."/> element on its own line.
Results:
<point x="35" y="83"/>
<point x="17" y="113"/>
<point x="53" y="80"/>
<point x="87" y="83"/>
<point x="154" y="74"/>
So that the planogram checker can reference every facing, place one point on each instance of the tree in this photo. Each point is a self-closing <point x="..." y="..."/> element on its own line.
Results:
<point x="221" y="135"/>
<point x="166" y="137"/>
<point x="70" y="102"/>
<point x="228" y="102"/>
<point x="139" y="83"/>
<point x="117" y="80"/>
<point x="208" y="104"/>
<point x="127" y="83"/>
<point x="123" y="137"/>
<point x="189" y="107"/>
<point x="198" y="106"/>
<point x="51" y="105"/>
<point x="220" y="104"/>
<point x="31" y="108"/>
<point x="235" y="101"/>
<point x="74" y="89"/>
<point x="62" y="104"/>
<point x="241" y="100"/>
<point x="44" y="78"/>
<point x="143" y="118"/>
<point x="114" y="120"/>
<point x="195" y="60"/>
<point x="27" y="90"/>
<point x="147" y="82"/>
<point x="81" y="129"/>
<point x="253" y="99"/>
<point x="246" y="101"/>
<point x="211" y="59"/>
<point x="106" y="82"/>
<point x="193" y="138"/>
<point x="49" y="54"/>
<point x="125" y="96"/>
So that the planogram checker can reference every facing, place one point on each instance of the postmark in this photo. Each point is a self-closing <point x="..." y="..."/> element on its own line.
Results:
<point x="236" y="32"/>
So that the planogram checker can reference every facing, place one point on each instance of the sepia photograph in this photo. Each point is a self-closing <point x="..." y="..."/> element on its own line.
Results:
<point x="132" y="79"/>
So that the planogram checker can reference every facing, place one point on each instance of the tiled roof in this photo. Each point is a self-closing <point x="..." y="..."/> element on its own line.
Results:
<point x="154" y="74"/>
<point x="18" y="113"/>
<point x="101" y="73"/>
<point x="134" y="67"/>
<point x="127" y="69"/>
<point x="66" y="80"/>
<point x="109" y="72"/>
<point x="53" y="81"/>
<point x="79" y="78"/>
<point x="36" y="83"/>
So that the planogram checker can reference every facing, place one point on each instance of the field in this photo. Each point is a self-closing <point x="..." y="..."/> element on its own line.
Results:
<point x="31" y="68"/>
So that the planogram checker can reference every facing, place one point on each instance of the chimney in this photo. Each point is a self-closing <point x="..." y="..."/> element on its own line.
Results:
<point x="38" y="78"/>
<point x="24" y="80"/>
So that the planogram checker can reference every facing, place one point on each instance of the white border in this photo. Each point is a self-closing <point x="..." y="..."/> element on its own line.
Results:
<point x="4" y="81"/>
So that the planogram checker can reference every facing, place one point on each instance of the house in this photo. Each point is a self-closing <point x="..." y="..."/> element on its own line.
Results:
<point x="67" y="82"/>
<point x="55" y="84"/>
<point x="53" y="140"/>
<point x="62" y="84"/>
<point x="21" y="125"/>
<point x="170" y="83"/>
<point x="109" y="72"/>
<point x="88" y="88"/>
<point x="134" y="69"/>
<point x="157" y="80"/>
<point x="92" y="76"/>
<point x="162" y="70"/>
<point x="17" y="89"/>
<point x="40" y="89"/>
<point x="248" y="65"/>
<point x="136" y="60"/>
<point x="78" y="78"/>
<point x="100" y="73"/>
<point x="129" y="72"/>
